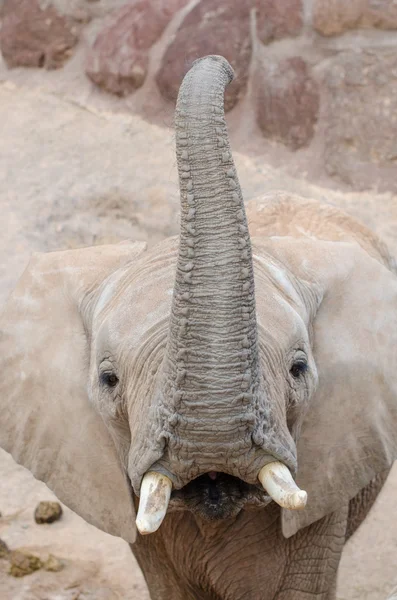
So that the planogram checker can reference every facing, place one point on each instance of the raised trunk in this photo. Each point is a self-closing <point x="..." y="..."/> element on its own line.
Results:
<point x="212" y="374"/>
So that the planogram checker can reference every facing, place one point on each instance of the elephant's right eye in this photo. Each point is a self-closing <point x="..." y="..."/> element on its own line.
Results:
<point x="109" y="379"/>
<point x="299" y="368"/>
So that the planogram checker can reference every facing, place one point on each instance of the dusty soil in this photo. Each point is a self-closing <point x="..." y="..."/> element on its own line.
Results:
<point x="70" y="176"/>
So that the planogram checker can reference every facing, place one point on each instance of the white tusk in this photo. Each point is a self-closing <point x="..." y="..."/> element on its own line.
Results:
<point x="278" y="483"/>
<point x="153" y="502"/>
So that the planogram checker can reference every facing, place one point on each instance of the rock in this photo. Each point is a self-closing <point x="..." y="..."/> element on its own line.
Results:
<point x="361" y="116"/>
<point x="287" y="101"/>
<point x="209" y="28"/>
<point x="84" y="10"/>
<point x="118" y="60"/>
<point x="4" y="550"/>
<point x="53" y="564"/>
<point x="32" y="36"/>
<point x="277" y="19"/>
<point x="92" y="8"/>
<point x="22" y="563"/>
<point x="47" y="512"/>
<point x="331" y="17"/>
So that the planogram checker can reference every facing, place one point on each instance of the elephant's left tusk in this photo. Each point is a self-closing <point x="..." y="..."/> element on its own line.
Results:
<point x="279" y="484"/>
<point x="153" y="502"/>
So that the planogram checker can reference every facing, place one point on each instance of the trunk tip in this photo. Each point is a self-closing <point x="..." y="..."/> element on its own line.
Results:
<point x="223" y="62"/>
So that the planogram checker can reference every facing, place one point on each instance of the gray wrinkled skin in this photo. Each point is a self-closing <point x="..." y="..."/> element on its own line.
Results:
<point x="212" y="361"/>
<point x="205" y="359"/>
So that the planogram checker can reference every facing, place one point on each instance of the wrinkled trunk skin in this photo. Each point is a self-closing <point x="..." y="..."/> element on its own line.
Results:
<point x="207" y="407"/>
<point x="213" y="398"/>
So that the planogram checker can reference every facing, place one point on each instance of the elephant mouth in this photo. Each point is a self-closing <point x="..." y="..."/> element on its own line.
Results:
<point x="215" y="496"/>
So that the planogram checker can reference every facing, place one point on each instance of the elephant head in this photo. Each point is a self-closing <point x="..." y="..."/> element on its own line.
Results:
<point x="172" y="373"/>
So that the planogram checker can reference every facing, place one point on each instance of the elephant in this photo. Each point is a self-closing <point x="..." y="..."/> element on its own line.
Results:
<point x="225" y="401"/>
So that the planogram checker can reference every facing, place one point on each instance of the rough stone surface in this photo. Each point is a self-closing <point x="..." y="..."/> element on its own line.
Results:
<point x="277" y="19"/>
<point x="126" y="43"/>
<point x="53" y="564"/>
<point x="47" y="512"/>
<point x="361" y="142"/>
<point x="89" y="8"/>
<point x="209" y="28"/>
<point x="331" y="17"/>
<point x="32" y="36"/>
<point x="118" y="60"/>
<point x="4" y="550"/>
<point x="23" y="563"/>
<point x="287" y="101"/>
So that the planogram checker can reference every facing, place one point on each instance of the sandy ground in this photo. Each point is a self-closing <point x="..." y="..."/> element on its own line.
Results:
<point x="72" y="176"/>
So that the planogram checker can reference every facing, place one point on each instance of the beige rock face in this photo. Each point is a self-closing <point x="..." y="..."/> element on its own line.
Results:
<point x="361" y="143"/>
<point x="331" y="17"/>
<point x="89" y="8"/>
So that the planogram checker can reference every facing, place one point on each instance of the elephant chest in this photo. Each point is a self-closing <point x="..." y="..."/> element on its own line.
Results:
<point x="246" y="558"/>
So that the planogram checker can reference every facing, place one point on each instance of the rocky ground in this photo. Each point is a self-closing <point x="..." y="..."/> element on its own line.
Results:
<point x="316" y="80"/>
<point x="72" y="174"/>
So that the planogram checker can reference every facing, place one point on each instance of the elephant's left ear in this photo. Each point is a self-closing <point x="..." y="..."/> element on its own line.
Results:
<point x="46" y="420"/>
<point x="349" y="434"/>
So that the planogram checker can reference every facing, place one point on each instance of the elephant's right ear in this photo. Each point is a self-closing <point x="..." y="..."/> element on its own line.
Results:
<point x="47" y="421"/>
<point x="348" y="433"/>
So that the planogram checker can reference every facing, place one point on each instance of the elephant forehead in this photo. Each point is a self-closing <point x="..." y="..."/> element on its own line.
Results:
<point x="134" y="301"/>
<point x="280" y="323"/>
<point x="281" y="310"/>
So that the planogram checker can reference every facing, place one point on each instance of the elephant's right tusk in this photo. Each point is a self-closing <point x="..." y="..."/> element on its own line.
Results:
<point x="153" y="502"/>
<point x="278" y="483"/>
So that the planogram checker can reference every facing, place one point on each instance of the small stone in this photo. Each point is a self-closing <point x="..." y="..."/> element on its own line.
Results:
<point x="47" y="512"/>
<point x="53" y="564"/>
<point x="4" y="550"/>
<point x="23" y="563"/>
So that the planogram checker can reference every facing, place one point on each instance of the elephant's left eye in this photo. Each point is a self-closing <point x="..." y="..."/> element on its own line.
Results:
<point x="109" y="379"/>
<point x="299" y="368"/>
